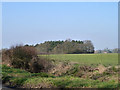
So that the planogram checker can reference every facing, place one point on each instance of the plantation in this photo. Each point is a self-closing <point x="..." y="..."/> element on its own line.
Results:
<point x="65" y="47"/>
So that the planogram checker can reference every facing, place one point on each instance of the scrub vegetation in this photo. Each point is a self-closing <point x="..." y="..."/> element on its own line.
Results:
<point x="24" y="67"/>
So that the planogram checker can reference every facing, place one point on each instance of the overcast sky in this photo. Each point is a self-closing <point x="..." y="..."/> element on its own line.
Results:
<point x="32" y="23"/>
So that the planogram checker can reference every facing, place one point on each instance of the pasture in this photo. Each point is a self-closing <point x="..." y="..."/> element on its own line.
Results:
<point x="87" y="59"/>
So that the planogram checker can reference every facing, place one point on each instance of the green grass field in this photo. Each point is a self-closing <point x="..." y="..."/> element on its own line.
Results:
<point x="87" y="59"/>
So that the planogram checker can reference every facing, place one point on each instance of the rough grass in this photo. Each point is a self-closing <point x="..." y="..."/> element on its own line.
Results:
<point x="87" y="59"/>
<point x="21" y="78"/>
<point x="70" y="82"/>
<point x="16" y="77"/>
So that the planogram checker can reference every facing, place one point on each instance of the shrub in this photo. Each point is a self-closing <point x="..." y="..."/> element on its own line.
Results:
<point x="40" y="65"/>
<point x="25" y="57"/>
<point x="21" y="56"/>
<point x="6" y="54"/>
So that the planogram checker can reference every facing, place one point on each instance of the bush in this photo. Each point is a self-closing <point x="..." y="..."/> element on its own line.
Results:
<point x="21" y="56"/>
<point x="40" y="65"/>
<point x="25" y="57"/>
<point x="6" y="54"/>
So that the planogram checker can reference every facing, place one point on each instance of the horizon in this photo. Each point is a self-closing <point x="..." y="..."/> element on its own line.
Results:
<point x="34" y="23"/>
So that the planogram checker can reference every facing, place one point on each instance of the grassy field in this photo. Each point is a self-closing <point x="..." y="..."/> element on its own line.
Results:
<point x="87" y="59"/>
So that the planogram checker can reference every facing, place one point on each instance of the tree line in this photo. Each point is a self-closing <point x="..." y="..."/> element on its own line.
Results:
<point x="107" y="50"/>
<point x="65" y="47"/>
